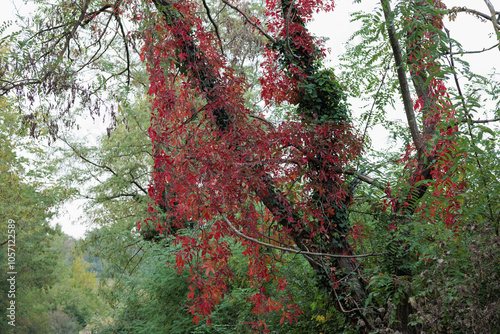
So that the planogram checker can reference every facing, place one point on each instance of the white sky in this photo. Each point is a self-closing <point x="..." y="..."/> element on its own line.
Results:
<point x="468" y="30"/>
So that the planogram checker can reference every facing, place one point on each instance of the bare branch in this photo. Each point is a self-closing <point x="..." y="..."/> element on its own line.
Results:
<point x="6" y="86"/>
<point x="263" y="120"/>
<point x="483" y="121"/>
<point x="133" y="256"/>
<point x="92" y="15"/>
<point x="472" y="52"/>
<point x="81" y="156"/>
<point x="127" y="53"/>
<point x="250" y="21"/>
<point x="111" y="197"/>
<point x="364" y="178"/>
<point x="215" y="26"/>
<point x="358" y="309"/>
<point x="382" y="82"/>
<point x="292" y="250"/>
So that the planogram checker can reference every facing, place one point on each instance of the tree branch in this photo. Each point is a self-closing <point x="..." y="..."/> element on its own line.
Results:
<point x="76" y="24"/>
<point x="107" y="198"/>
<point x="292" y="250"/>
<point x="102" y="166"/>
<point x="215" y="26"/>
<point x="6" y="86"/>
<point x="127" y="53"/>
<point x="339" y="170"/>
<point x="472" y="52"/>
<point x="403" y="81"/>
<point x="93" y="14"/>
<point x="470" y="11"/>
<point x="382" y="82"/>
<point x="482" y="121"/>
<point x="263" y="120"/>
<point x="256" y="26"/>
<point x="493" y="19"/>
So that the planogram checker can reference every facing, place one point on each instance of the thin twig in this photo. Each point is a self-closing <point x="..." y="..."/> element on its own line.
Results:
<point x="263" y="120"/>
<point x="75" y="150"/>
<point x="374" y="103"/>
<point x="358" y="309"/>
<point x="130" y="259"/>
<point x="482" y="121"/>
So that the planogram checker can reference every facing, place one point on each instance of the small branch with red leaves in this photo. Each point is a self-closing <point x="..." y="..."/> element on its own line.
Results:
<point x="292" y="250"/>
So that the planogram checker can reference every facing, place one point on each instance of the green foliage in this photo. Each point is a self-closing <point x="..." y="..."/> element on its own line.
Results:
<point x="152" y="299"/>
<point x="72" y="300"/>
<point x="458" y="289"/>
<point x="28" y="202"/>
<point x="149" y="300"/>
<point x="367" y="70"/>
<point x="50" y="297"/>
<point x="114" y="173"/>
<point x="323" y="98"/>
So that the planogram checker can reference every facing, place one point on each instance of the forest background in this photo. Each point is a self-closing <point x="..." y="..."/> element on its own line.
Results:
<point x="323" y="233"/>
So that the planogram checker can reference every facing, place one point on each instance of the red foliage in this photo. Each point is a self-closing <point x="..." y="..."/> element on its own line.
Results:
<point x="212" y="158"/>
<point x="440" y="125"/>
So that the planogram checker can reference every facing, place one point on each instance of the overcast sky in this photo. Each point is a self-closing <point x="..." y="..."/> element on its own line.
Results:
<point x="468" y="30"/>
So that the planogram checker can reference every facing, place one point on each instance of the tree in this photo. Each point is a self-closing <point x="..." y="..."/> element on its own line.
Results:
<point x="32" y="250"/>
<point x="73" y="299"/>
<point x="26" y="204"/>
<point x="222" y="169"/>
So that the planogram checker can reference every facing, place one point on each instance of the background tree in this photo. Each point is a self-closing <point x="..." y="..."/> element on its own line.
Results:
<point x="30" y="196"/>
<point x="27" y="200"/>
